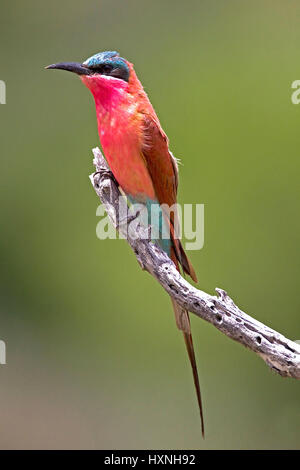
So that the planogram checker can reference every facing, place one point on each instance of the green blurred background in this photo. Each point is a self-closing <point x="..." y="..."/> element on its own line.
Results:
<point x="94" y="359"/>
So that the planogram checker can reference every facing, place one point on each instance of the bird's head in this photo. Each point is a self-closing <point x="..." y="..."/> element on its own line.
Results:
<point x="104" y="70"/>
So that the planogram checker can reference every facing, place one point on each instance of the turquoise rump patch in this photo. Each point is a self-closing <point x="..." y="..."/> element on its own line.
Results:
<point x="150" y="214"/>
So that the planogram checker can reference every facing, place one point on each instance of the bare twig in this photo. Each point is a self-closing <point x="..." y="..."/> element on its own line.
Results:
<point x="280" y="354"/>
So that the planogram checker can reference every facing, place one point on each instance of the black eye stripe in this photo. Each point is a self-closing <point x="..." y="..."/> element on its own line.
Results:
<point x="103" y="68"/>
<point x="112" y="70"/>
<point x="107" y="68"/>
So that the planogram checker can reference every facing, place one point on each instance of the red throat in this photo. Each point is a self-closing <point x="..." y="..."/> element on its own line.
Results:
<point x="107" y="91"/>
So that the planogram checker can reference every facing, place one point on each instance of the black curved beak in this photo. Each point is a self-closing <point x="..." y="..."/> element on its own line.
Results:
<point x="74" y="67"/>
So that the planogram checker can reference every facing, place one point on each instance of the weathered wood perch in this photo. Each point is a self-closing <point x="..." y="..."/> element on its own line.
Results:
<point x="279" y="353"/>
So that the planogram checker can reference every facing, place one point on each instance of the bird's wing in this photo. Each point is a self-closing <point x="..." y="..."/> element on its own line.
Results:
<point x="163" y="169"/>
<point x="161" y="164"/>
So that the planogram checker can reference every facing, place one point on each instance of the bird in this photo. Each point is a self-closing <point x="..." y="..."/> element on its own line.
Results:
<point x="138" y="154"/>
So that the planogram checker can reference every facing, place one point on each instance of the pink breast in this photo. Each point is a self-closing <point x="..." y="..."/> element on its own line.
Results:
<point x="120" y="132"/>
<point x="120" y="138"/>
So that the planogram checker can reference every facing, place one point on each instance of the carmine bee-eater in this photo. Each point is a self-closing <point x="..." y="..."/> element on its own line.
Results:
<point x="137" y="151"/>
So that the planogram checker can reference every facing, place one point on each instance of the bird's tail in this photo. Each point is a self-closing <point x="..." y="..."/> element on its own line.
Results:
<point x="183" y="323"/>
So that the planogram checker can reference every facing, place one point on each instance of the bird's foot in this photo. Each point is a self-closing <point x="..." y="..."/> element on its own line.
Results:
<point x="105" y="173"/>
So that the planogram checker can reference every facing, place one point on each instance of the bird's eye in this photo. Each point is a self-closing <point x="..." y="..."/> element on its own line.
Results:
<point x="106" y="68"/>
